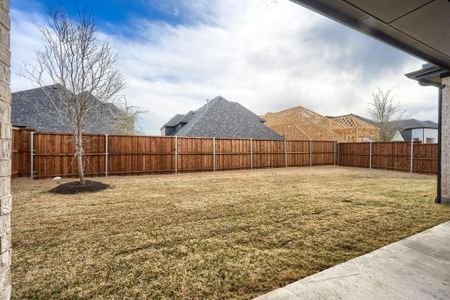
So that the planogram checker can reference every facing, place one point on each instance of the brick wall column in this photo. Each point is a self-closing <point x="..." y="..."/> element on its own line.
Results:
<point x="5" y="153"/>
<point x="445" y="142"/>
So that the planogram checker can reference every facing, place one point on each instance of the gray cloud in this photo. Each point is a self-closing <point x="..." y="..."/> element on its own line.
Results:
<point x="351" y="50"/>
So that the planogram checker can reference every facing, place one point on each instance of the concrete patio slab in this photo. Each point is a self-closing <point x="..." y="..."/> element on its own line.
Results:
<point x="417" y="267"/>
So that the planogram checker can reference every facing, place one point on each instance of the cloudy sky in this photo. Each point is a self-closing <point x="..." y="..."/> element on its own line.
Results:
<point x="268" y="55"/>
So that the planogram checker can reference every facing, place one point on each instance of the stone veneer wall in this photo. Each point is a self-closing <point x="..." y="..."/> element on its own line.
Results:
<point x="445" y="161"/>
<point x="5" y="153"/>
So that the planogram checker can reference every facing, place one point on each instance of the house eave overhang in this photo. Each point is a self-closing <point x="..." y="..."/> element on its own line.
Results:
<point x="429" y="75"/>
<point x="411" y="128"/>
<point x="399" y="24"/>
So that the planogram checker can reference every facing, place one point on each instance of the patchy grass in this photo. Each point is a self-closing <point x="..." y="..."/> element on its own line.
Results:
<point x="209" y="236"/>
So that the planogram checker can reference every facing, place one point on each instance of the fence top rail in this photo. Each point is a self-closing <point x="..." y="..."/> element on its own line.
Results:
<point x="37" y="133"/>
<point x="138" y="135"/>
<point x="243" y="139"/>
<point x="323" y="142"/>
<point x="23" y="128"/>
<point x="302" y="141"/>
<point x="387" y="143"/>
<point x="65" y="133"/>
<point x="169" y="137"/>
<point x="224" y="138"/>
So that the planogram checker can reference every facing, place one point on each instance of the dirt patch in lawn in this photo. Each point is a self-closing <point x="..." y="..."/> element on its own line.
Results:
<point x="228" y="235"/>
<point x="75" y="187"/>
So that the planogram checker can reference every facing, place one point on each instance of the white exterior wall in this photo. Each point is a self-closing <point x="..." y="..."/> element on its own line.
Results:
<point x="417" y="134"/>
<point x="431" y="134"/>
<point x="398" y="137"/>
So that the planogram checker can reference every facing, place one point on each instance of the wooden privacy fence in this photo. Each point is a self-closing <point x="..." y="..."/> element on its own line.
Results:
<point x="44" y="155"/>
<point x="395" y="156"/>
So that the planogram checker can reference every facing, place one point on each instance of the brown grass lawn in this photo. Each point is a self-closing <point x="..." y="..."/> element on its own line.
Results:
<point x="208" y="236"/>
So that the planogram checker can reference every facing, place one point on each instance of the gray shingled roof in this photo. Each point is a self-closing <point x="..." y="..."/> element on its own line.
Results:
<point x="33" y="109"/>
<point x="222" y="118"/>
<point x="187" y="117"/>
<point x="174" y="121"/>
<point x="414" y="123"/>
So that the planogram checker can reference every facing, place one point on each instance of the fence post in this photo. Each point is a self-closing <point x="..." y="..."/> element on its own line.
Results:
<point x="310" y="153"/>
<point x="251" y="154"/>
<point x="214" y="154"/>
<point x="334" y="152"/>
<point x="412" y="156"/>
<point x="176" y="155"/>
<point x="31" y="154"/>
<point x="106" y="154"/>
<point x="285" y="154"/>
<point x="338" y="159"/>
<point x="370" y="155"/>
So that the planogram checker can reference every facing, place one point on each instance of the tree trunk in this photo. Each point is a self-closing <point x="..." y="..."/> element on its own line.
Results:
<point x="80" y="152"/>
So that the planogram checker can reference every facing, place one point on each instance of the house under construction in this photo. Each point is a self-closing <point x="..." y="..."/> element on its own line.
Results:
<point x="353" y="128"/>
<point x="299" y="123"/>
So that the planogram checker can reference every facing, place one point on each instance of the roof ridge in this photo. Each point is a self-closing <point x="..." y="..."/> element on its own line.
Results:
<point x="39" y="88"/>
<point x="225" y="118"/>
<point x="197" y="116"/>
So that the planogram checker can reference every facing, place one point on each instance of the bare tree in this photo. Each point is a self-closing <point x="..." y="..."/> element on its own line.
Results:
<point x="83" y="66"/>
<point x="128" y="119"/>
<point x="386" y="113"/>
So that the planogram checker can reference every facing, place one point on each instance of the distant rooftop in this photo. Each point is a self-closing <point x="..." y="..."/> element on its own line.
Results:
<point x="300" y="123"/>
<point x="33" y="109"/>
<point x="220" y="118"/>
<point x="414" y="123"/>
<point x="402" y="124"/>
<point x="366" y="120"/>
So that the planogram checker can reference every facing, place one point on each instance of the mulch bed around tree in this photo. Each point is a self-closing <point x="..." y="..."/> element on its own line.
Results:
<point x="75" y="187"/>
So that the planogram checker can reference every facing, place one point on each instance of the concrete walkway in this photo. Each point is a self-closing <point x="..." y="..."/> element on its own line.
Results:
<point x="417" y="267"/>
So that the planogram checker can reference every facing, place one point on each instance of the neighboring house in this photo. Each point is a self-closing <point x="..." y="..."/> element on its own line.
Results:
<point x="353" y="128"/>
<point x="421" y="131"/>
<point x="299" y="123"/>
<point x="222" y="119"/>
<point x="33" y="109"/>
